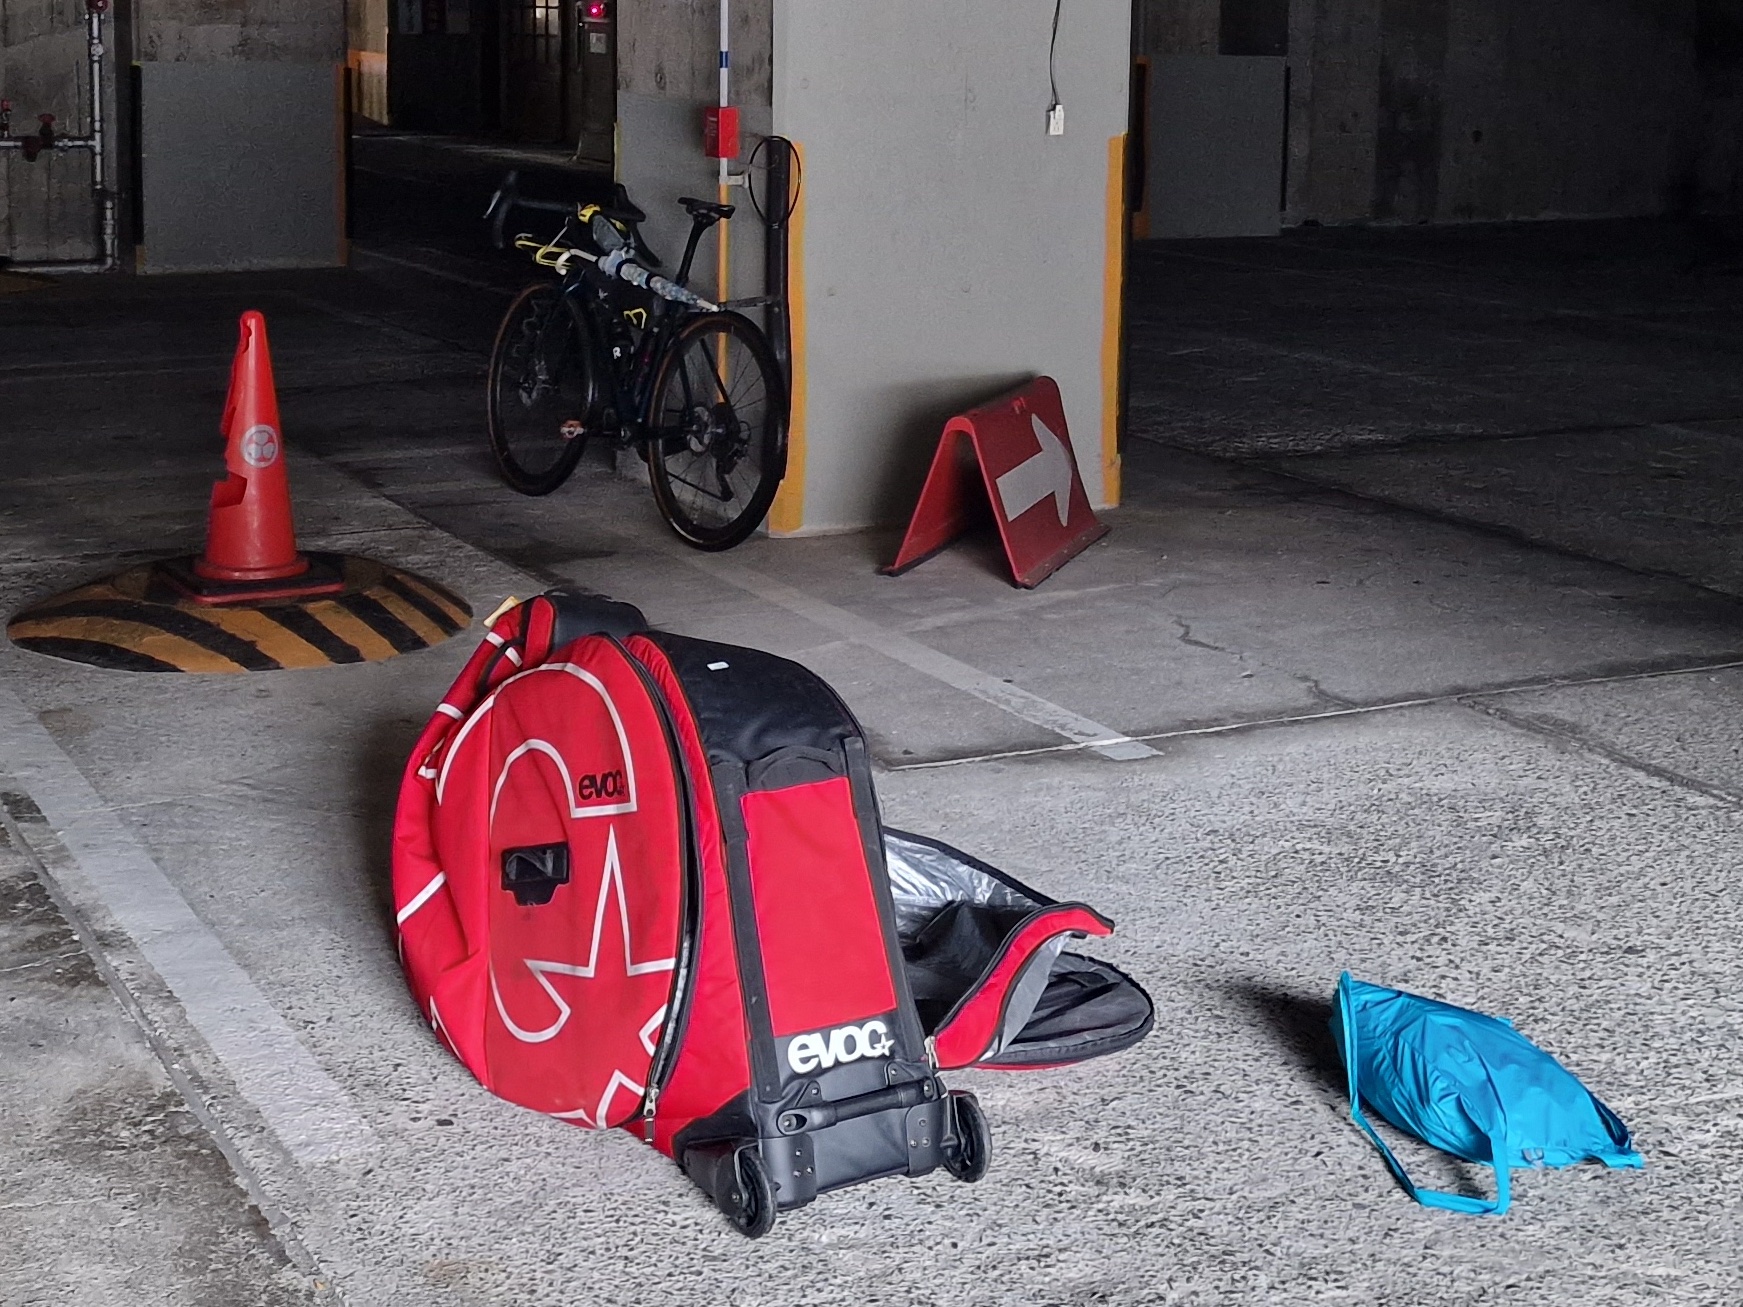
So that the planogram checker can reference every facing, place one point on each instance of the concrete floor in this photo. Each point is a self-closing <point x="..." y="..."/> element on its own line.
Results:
<point x="1423" y="598"/>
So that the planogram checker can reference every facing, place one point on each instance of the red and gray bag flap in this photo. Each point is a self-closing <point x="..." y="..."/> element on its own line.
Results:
<point x="986" y="963"/>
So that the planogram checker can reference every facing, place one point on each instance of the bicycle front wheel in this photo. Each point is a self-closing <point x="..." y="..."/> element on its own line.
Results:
<point x="717" y="430"/>
<point x="543" y="390"/>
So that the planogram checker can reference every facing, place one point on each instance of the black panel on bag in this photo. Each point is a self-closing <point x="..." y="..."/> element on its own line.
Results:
<point x="532" y="874"/>
<point x="749" y="704"/>
<point x="575" y="615"/>
<point x="797" y="766"/>
<point x="1089" y="1008"/>
<point x="952" y="952"/>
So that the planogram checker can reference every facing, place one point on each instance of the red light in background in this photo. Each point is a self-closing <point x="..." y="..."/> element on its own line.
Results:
<point x="596" y="10"/>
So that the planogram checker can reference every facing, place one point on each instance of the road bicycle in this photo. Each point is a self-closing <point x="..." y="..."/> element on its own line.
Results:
<point x="612" y="349"/>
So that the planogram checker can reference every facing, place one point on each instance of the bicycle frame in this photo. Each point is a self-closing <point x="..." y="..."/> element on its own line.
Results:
<point x="635" y="370"/>
<point x="627" y="361"/>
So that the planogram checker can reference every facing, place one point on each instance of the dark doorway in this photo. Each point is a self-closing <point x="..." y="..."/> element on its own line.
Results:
<point x="539" y="72"/>
<point x="559" y="73"/>
<point x="533" y="69"/>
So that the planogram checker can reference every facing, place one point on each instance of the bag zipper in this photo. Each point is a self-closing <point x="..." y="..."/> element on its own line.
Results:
<point x="690" y="908"/>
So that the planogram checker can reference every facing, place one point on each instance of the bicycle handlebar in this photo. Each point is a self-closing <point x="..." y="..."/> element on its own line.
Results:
<point x="616" y="264"/>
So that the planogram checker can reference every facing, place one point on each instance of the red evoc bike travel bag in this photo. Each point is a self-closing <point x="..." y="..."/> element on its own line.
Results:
<point x="641" y="881"/>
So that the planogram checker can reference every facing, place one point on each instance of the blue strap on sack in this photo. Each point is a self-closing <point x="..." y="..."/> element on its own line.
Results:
<point x="1470" y="1085"/>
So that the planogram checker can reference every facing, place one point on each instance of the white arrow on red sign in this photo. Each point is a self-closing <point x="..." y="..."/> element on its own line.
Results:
<point x="1038" y="476"/>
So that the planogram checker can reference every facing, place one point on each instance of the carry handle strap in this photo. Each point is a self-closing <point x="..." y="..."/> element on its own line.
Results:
<point x="1427" y="1197"/>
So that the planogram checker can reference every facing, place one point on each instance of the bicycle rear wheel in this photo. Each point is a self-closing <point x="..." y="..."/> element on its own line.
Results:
<point x="717" y="430"/>
<point x="543" y="390"/>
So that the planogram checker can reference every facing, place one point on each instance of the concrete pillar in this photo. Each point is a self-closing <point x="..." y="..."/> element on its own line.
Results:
<point x="1334" y="62"/>
<point x="668" y="70"/>
<point x="949" y="246"/>
<point x="945" y="246"/>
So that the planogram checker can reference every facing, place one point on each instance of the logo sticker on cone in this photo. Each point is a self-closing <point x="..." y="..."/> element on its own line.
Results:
<point x="260" y="447"/>
<point x="249" y="534"/>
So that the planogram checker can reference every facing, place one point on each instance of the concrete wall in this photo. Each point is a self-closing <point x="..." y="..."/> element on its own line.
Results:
<point x="1453" y="110"/>
<point x="949" y="246"/>
<point x="46" y="210"/>
<point x="945" y="247"/>
<point x="1458" y="110"/>
<point x="46" y="207"/>
<point x="1718" y="176"/>
<point x="267" y="140"/>
<point x="1214" y="138"/>
<point x="212" y="207"/>
<point x="1176" y="27"/>
<point x="287" y="31"/>
<point x="668" y="69"/>
<point x="667" y="49"/>
<point x="366" y="57"/>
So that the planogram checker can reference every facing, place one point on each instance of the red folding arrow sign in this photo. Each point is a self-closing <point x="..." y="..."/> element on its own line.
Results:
<point x="1023" y="450"/>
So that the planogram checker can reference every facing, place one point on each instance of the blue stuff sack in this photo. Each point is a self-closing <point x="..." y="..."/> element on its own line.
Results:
<point x="1470" y="1085"/>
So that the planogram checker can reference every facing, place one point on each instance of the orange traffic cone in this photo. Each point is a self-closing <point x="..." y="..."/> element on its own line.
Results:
<point x="249" y="535"/>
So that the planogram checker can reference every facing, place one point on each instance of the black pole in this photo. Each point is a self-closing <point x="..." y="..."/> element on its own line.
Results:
<point x="780" y="201"/>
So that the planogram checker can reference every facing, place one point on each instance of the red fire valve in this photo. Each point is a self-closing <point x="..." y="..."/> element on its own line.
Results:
<point x="32" y="145"/>
<point x="720" y="132"/>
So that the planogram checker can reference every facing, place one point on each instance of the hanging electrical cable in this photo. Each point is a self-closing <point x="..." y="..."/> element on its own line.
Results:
<point x="1055" y="110"/>
<point x="1052" y="51"/>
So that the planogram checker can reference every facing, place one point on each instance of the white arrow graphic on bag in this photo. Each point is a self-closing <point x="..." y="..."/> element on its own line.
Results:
<point x="1032" y="480"/>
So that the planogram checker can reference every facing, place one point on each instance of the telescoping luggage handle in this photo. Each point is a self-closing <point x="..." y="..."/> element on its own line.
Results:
<point x="1427" y="1197"/>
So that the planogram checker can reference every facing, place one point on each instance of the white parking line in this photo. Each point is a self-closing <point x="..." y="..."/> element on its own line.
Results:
<point x="429" y="270"/>
<point x="1032" y="708"/>
<point x="312" y="1116"/>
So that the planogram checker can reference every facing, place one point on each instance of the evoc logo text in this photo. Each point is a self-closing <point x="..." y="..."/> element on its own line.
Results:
<point x="601" y="785"/>
<point x="824" y="1049"/>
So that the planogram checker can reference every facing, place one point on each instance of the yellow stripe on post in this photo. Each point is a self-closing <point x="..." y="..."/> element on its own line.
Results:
<point x="788" y="513"/>
<point x="342" y="147"/>
<point x="1113" y="320"/>
<point x="723" y="250"/>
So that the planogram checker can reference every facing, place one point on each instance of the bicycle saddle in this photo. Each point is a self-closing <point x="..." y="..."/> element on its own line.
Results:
<point x="703" y="208"/>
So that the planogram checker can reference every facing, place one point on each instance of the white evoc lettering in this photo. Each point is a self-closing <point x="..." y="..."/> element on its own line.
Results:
<point x="824" y="1049"/>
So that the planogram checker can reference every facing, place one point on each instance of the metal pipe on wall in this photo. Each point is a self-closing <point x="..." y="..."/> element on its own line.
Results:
<point x="725" y="78"/>
<point x="723" y="257"/>
<point x="95" y="141"/>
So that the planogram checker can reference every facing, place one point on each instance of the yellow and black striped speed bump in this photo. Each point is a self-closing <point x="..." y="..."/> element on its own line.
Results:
<point x="141" y="621"/>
